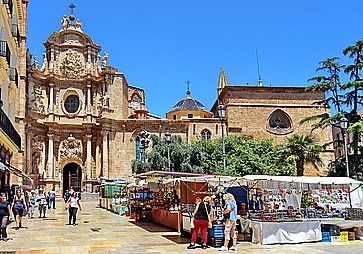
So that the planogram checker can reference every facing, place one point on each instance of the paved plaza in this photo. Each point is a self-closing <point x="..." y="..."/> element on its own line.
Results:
<point x="100" y="231"/>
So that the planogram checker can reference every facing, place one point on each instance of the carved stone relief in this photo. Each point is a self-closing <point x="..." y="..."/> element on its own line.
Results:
<point x="72" y="63"/>
<point x="38" y="104"/>
<point x="70" y="148"/>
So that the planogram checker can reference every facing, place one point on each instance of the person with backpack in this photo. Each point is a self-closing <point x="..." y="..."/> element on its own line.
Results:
<point x="230" y="216"/>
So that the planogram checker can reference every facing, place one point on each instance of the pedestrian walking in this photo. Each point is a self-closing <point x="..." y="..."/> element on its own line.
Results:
<point x="72" y="205"/>
<point x="201" y="222"/>
<point x="42" y="203"/>
<point x="5" y="213"/>
<point x="230" y="215"/>
<point x="32" y="204"/>
<point x="19" y="208"/>
<point x="52" y="195"/>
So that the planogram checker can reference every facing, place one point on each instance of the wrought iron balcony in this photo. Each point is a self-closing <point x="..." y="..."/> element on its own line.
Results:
<point x="9" y="6"/>
<point x="15" y="32"/>
<point x="5" y="51"/>
<point x="13" y="75"/>
<point x="8" y="128"/>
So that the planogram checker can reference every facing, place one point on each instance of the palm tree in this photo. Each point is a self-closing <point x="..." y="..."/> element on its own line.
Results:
<point x="301" y="150"/>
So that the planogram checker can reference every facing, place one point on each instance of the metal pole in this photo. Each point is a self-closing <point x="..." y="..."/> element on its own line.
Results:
<point x="223" y="151"/>
<point x="347" y="164"/>
<point x="169" y="164"/>
<point x="346" y="153"/>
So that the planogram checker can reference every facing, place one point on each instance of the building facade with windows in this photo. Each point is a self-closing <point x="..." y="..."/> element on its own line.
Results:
<point x="80" y="119"/>
<point x="13" y="15"/>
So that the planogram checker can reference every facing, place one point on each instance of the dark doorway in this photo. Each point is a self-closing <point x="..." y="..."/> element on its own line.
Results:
<point x="72" y="177"/>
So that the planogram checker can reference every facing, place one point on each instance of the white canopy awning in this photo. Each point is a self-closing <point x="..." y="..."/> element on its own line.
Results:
<point x="305" y="179"/>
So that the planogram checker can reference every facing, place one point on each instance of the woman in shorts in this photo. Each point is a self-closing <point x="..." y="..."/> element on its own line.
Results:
<point x="32" y="204"/>
<point x="19" y="207"/>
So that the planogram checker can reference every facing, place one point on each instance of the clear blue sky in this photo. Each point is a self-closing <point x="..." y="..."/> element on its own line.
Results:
<point x="160" y="44"/>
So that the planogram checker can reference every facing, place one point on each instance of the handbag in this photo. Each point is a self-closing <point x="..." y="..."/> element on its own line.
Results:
<point x="192" y="223"/>
<point x="210" y="225"/>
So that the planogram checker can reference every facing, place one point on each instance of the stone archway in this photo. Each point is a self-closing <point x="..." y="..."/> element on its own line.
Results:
<point x="72" y="177"/>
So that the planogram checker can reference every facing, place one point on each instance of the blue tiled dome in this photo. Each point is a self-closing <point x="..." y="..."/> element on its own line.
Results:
<point x="188" y="103"/>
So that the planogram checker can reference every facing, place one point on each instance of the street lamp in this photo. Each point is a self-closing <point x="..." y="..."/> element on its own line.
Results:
<point x="144" y="143"/>
<point x="222" y="116"/>
<point x="344" y="126"/>
<point x="168" y="141"/>
<point x="343" y="122"/>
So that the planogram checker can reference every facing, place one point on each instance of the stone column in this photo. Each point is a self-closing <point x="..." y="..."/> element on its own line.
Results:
<point x="28" y="153"/>
<point x="51" y="98"/>
<point x="50" y="156"/>
<point x="88" y="98"/>
<point x="88" y="163"/>
<point x="105" y="154"/>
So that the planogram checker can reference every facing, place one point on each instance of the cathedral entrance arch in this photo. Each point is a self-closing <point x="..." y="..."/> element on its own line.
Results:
<point x="72" y="177"/>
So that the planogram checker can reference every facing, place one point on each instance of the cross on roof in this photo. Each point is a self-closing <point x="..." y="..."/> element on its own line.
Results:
<point x="72" y="6"/>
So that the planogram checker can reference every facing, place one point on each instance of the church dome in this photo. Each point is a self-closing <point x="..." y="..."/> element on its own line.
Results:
<point x="188" y="103"/>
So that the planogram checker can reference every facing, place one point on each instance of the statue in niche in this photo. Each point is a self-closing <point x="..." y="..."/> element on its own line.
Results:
<point x="36" y="159"/>
<point x="106" y="101"/>
<point x="105" y="59"/>
<point x="79" y="24"/>
<point x="65" y="22"/>
<point x="37" y="149"/>
<point x="44" y="68"/>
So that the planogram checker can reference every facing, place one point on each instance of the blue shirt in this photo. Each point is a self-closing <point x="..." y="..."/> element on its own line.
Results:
<point x="233" y="212"/>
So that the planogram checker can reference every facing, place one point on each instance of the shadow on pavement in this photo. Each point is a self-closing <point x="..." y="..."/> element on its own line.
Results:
<point x="151" y="227"/>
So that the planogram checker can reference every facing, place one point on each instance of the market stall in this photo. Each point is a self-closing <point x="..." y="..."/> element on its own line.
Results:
<point x="214" y="186"/>
<point x="113" y="195"/>
<point x="168" y="196"/>
<point x="285" y="209"/>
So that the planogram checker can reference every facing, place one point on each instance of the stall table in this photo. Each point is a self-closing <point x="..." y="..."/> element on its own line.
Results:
<point x="270" y="232"/>
<point x="167" y="218"/>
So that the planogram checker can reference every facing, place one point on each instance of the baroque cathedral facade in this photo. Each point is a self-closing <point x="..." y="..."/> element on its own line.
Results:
<point x="83" y="119"/>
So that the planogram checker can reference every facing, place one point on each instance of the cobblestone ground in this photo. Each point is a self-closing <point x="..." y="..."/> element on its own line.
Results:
<point x="100" y="231"/>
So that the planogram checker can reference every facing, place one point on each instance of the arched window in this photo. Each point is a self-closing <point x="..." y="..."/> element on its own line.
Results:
<point x="206" y="134"/>
<point x="135" y="101"/>
<point x="279" y="122"/>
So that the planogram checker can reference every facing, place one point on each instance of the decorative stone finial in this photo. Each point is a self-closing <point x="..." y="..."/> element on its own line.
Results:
<point x="105" y="59"/>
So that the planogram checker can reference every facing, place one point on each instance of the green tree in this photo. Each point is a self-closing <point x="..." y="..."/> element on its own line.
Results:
<point x="330" y="83"/>
<point x="245" y="155"/>
<point x="301" y="150"/>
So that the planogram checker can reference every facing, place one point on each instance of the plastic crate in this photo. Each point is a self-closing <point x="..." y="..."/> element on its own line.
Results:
<point x="344" y="236"/>
<point x="351" y="236"/>
<point x="326" y="237"/>
<point x="335" y="239"/>
<point x="334" y="230"/>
